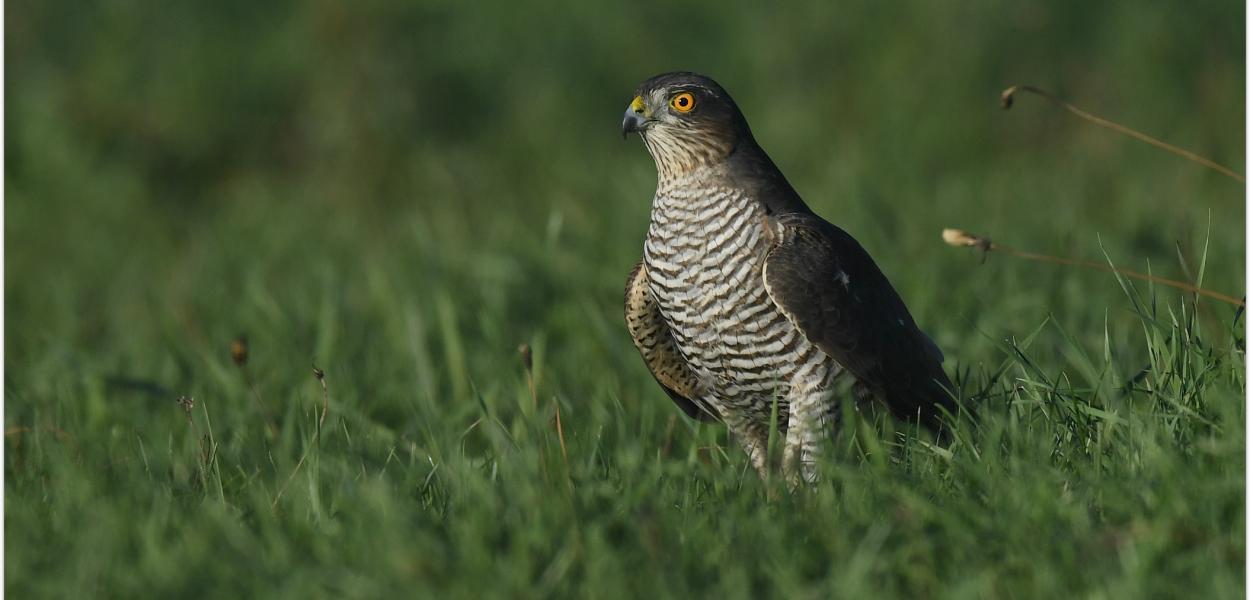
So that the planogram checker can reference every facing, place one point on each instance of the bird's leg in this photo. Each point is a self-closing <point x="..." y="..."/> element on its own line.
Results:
<point x="753" y="441"/>
<point x="811" y="409"/>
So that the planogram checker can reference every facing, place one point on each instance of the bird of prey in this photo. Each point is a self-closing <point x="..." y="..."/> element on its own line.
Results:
<point x="745" y="298"/>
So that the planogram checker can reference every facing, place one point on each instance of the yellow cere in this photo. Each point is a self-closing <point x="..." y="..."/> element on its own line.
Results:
<point x="637" y="105"/>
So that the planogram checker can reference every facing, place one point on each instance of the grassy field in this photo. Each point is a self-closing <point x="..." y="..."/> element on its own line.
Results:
<point x="404" y="194"/>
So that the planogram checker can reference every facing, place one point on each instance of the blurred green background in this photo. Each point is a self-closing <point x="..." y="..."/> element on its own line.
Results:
<point x="401" y="193"/>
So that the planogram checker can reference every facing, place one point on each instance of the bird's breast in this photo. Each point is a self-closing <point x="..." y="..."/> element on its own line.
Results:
<point x="704" y="255"/>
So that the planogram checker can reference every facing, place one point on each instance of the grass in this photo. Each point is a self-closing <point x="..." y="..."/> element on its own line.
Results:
<point x="400" y="197"/>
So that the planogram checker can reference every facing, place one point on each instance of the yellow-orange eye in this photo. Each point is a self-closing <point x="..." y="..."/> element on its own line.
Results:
<point x="683" y="102"/>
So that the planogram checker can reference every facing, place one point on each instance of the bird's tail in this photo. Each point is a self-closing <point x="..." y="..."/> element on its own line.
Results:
<point x="929" y="397"/>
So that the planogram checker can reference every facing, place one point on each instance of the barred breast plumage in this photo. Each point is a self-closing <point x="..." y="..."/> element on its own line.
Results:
<point x="704" y="256"/>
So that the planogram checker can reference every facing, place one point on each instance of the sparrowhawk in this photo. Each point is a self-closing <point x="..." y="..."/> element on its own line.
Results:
<point x="744" y="298"/>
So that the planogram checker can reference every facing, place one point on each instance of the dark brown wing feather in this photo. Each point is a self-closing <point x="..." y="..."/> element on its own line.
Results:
<point x="655" y="342"/>
<point x="829" y="287"/>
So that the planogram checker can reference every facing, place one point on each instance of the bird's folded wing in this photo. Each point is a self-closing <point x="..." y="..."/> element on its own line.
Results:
<point x="827" y="285"/>
<point x="654" y="341"/>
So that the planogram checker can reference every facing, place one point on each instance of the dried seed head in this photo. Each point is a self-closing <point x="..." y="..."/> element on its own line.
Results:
<point x="1008" y="97"/>
<point x="238" y="350"/>
<point x="963" y="239"/>
<point x="186" y="402"/>
<point x="959" y="237"/>
<point x="318" y="373"/>
<point x="527" y="356"/>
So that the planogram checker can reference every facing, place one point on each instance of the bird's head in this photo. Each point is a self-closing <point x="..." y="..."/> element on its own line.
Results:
<point x="686" y="120"/>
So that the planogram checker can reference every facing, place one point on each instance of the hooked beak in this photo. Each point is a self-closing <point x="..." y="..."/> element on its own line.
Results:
<point x="635" y="118"/>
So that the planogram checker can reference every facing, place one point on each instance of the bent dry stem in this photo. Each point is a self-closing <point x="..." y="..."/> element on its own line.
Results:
<point x="1008" y="100"/>
<point x="961" y="238"/>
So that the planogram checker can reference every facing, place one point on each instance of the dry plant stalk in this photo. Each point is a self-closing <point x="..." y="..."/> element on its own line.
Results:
<point x="1008" y="98"/>
<point x="564" y="452"/>
<point x="963" y="239"/>
<point x="188" y="404"/>
<point x="325" y="399"/>
<point x="527" y="358"/>
<point x="16" y="432"/>
<point x="667" y="447"/>
<point x="325" y="407"/>
<point x="294" y="472"/>
<point x="560" y="432"/>
<point x="527" y="361"/>
<point x="238" y="355"/>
